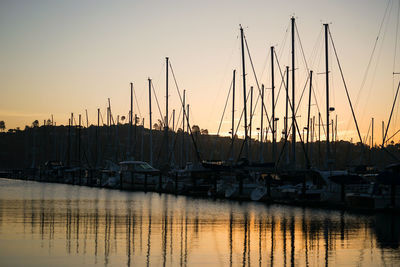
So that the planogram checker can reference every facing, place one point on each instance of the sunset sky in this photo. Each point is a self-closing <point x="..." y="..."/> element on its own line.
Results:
<point x="58" y="57"/>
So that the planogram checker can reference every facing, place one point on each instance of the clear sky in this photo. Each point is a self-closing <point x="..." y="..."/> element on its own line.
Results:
<point x="58" y="57"/>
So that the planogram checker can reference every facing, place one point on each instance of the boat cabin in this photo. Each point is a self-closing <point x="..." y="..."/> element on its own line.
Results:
<point x="137" y="166"/>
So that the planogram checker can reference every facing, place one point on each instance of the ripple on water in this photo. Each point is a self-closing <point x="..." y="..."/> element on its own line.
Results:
<point x="45" y="224"/>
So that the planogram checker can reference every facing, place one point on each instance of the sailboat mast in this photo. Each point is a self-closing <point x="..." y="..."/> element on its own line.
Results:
<point x="171" y="149"/>
<point x="108" y="117"/>
<point x="97" y="138"/>
<point x="312" y="138"/>
<point x="166" y="111"/>
<point x="251" y="121"/>
<point x="87" y="119"/>
<point x="151" y="126"/>
<point x="110" y="114"/>
<point x="383" y="134"/>
<point x="286" y="114"/>
<point x="293" y="99"/>
<point x="372" y="135"/>
<point x="309" y="109"/>
<point x="188" y="131"/>
<point x="173" y="120"/>
<point x="142" y="142"/>
<point x="72" y="148"/>
<point x="79" y="142"/>
<point x="327" y="94"/>
<point x="130" y="123"/>
<point x="54" y="138"/>
<point x="68" y="145"/>
<point x="262" y="126"/>
<point x="246" y="147"/>
<point x="273" y="106"/>
<point x="183" y="130"/>
<point x="319" y="139"/>
<point x="233" y="112"/>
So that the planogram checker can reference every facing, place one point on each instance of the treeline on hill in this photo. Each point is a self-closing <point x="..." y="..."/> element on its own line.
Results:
<point x="93" y="146"/>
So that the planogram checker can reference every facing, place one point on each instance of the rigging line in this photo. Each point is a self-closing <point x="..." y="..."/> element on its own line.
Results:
<point x="238" y="125"/>
<point x="226" y="103"/>
<point x="366" y="137"/>
<point x="254" y="108"/>
<point x="381" y="48"/>
<point x="384" y="29"/>
<point x="155" y="95"/>
<point x="281" y="153"/>
<point x="170" y="118"/>
<point x="394" y="57"/>
<point x="186" y="115"/>
<point x="255" y="76"/>
<point x="308" y="77"/>
<point x="372" y="54"/>
<point x="221" y="82"/>
<point x="137" y="103"/>
<point x="284" y="40"/>
<point x="222" y="118"/>
<point x="308" y="70"/>
<point x="178" y="121"/>
<point x="301" y="140"/>
<point x="301" y="47"/>
<point x="279" y="91"/>
<point x="265" y="65"/>
<point x="317" y="62"/>
<point x="298" y="130"/>
<point x="280" y="71"/>
<point x="302" y="94"/>
<point x="177" y="89"/>
<point x="158" y="105"/>
<point x="315" y="50"/>
<point x="390" y="154"/>
<point x="283" y="79"/>
<point x="390" y="117"/>
<point x="395" y="45"/>
<point x="240" y="151"/>
<point x="252" y="112"/>
<point x="241" y="115"/>
<point x="398" y="131"/>
<point x="305" y="62"/>
<point x="171" y="155"/>
<point x="345" y="86"/>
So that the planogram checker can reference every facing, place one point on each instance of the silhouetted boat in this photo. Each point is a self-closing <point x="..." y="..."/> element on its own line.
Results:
<point x="138" y="175"/>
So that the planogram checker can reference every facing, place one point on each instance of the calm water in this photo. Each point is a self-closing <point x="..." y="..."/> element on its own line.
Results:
<point x="62" y="225"/>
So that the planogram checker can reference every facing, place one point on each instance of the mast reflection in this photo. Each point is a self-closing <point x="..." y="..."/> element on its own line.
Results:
<point x="166" y="230"/>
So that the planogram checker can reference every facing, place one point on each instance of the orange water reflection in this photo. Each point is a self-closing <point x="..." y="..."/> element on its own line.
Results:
<point x="63" y="225"/>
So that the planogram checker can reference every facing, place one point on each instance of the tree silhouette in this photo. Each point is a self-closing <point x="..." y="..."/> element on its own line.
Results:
<point x="35" y="123"/>
<point x="2" y="126"/>
<point x="137" y="120"/>
<point x="158" y="126"/>
<point x="195" y="129"/>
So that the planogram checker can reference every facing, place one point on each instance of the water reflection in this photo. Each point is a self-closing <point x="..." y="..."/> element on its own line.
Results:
<point x="53" y="224"/>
